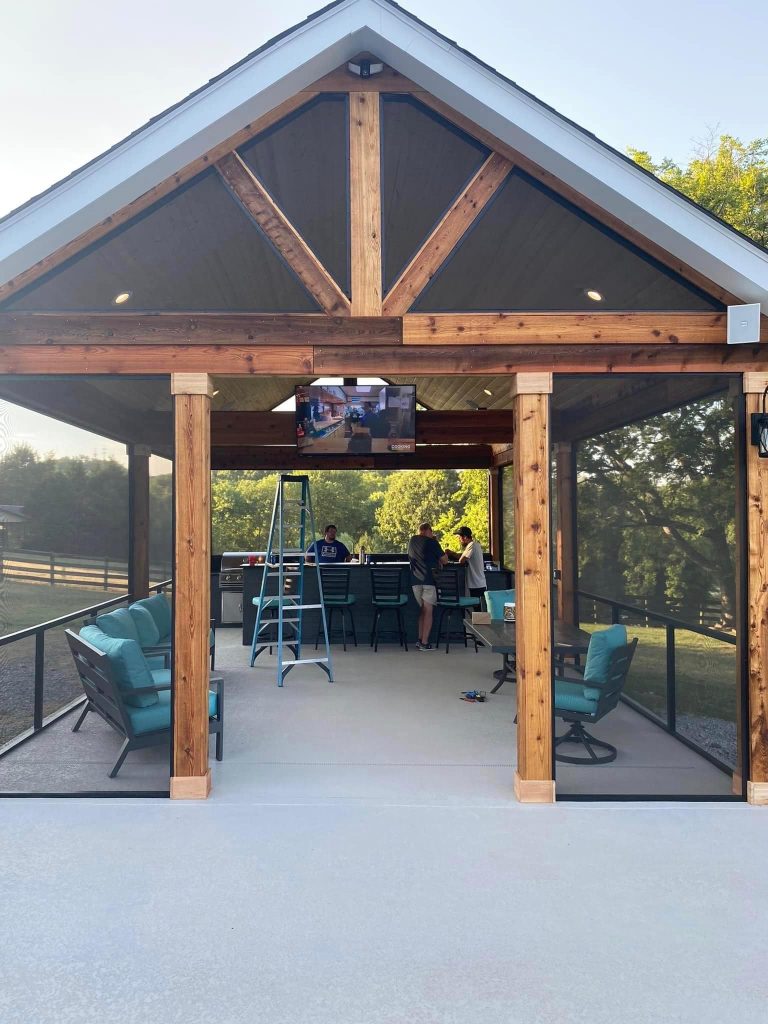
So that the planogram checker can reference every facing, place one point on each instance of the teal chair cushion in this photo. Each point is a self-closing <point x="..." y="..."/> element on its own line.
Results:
<point x="146" y="627"/>
<point x="159" y="717"/>
<point x="161" y="676"/>
<point x="118" y="624"/>
<point x="391" y="602"/>
<point x="160" y="610"/>
<point x="269" y="602"/>
<point x="601" y="646"/>
<point x="573" y="697"/>
<point x="128" y="663"/>
<point x="495" y="601"/>
<point x="340" y="600"/>
<point x="469" y="602"/>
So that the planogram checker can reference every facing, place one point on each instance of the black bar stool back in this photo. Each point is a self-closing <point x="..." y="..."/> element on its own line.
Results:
<point x="335" y="581"/>
<point x="387" y="595"/>
<point x="450" y="600"/>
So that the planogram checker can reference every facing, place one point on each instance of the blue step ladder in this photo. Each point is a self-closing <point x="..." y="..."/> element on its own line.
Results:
<point x="282" y="582"/>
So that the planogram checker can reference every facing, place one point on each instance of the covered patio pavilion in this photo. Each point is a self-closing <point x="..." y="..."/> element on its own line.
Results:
<point x="431" y="223"/>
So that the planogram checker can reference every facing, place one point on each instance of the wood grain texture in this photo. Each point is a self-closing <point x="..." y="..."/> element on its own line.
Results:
<point x="196" y="329"/>
<point x="476" y="456"/>
<point x="446" y="235"/>
<point x="191" y="584"/>
<point x="565" y="544"/>
<point x="572" y="195"/>
<point x="757" y="612"/>
<point x="531" y="384"/>
<point x="152" y="195"/>
<point x="196" y="787"/>
<point x="191" y="384"/>
<point x="565" y="328"/>
<point x="534" y="791"/>
<point x="365" y="203"/>
<point x="138" y="521"/>
<point x="757" y="793"/>
<point x="100" y="359"/>
<point x="259" y="204"/>
<point x="450" y="427"/>
<point x="533" y="587"/>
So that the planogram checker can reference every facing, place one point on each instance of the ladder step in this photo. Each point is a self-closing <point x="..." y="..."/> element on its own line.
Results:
<point x="283" y="574"/>
<point x="306" y="661"/>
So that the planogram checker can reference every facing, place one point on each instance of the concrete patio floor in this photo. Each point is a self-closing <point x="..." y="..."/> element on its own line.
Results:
<point x="391" y="727"/>
<point x="362" y="861"/>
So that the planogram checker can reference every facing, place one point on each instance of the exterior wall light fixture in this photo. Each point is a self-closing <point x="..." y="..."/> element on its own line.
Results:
<point x="760" y="430"/>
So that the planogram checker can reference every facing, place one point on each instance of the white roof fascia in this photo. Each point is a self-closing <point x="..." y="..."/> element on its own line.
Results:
<point x="316" y="47"/>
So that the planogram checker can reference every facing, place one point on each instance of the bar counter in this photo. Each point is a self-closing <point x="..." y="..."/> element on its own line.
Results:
<point x="362" y="609"/>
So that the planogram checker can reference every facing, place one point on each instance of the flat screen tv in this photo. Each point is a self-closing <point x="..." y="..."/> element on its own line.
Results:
<point x="335" y="419"/>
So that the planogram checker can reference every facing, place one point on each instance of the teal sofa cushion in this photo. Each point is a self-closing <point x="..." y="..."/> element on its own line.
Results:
<point x="573" y="697"/>
<point x="160" y="610"/>
<point x="495" y="601"/>
<point x="601" y="645"/>
<point x="159" y="717"/>
<point x="128" y="664"/>
<point x="119" y="624"/>
<point x="161" y="676"/>
<point x="146" y="627"/>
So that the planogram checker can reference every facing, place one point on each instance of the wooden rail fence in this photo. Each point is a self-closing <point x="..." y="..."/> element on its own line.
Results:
<point x="55" y="570"/>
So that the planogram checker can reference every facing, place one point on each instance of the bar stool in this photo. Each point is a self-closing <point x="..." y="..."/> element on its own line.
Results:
<point x="451" y="601"/>
<point x="336" y="598"/>
<point x="387" y="595"/>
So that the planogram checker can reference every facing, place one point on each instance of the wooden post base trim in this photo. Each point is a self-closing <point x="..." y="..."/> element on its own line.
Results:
<point x="757" y="793"/>
<point x="191" y="787"/>
<point x="534" y="791"/>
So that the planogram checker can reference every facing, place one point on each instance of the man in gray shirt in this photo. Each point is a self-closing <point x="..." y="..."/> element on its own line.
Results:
<point x="471" y="557"/>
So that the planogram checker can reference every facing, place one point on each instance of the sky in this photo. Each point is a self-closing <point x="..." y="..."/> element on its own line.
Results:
<point x="78" y="76"/>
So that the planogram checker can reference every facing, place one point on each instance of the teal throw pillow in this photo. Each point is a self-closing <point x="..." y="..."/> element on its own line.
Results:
<point x="159" y="608"/>
<point x="601" y="645"/>
<point x="119" y="624"/>
<point x="146" y="627"/>
<point x="128" y="665"/>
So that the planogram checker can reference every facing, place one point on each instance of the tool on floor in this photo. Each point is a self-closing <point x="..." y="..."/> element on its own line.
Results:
<point x="282" y="583"/>
<point x="474" y="696"/>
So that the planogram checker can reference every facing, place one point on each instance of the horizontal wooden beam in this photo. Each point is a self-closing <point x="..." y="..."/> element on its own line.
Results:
<point x="343" y="80"/>
<point x="251" y="428"/>
<point x="152" y="195"/>
<point x="380" y="361"/>
<point x="287" y="457"/>
<point x="259" y="204"/>
<point x="565" y="329"/>
<point x="196" y="329"/>
<point x="446" y="360"/>
<point x="481" y="188"/>
<point x="665" y="394"/>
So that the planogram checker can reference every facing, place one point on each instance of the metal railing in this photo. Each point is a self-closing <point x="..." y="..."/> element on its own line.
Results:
<point x="38" y="631"/>
<point x="671" y="625"/>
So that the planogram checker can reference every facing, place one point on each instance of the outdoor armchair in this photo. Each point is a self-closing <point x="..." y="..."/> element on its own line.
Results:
<point x="129" y="694"/>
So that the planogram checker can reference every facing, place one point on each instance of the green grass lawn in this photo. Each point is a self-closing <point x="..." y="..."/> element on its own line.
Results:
<point x="27" y="604"/>
<point x="705" y="672"/>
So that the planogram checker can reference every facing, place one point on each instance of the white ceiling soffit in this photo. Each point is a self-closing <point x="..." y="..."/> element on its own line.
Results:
<point x="321" y="44"/>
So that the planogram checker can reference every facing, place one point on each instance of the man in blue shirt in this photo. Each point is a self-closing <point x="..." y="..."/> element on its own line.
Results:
<point x="328" y="549"/>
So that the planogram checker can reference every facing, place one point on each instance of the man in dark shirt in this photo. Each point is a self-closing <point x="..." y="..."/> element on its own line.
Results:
<point x="328" y="549"/>
<point x="425" y="556"/>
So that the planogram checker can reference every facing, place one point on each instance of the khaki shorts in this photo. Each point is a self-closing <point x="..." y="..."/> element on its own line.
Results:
<point x="424" y="594"/>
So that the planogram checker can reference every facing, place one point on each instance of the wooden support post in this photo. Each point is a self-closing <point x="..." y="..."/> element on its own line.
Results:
<point x="534" y="781"/>
<point x="365" y="203"/>
<point x="138" y="520"/>
<point x="757" y="598"/>
<point x="566" y="541"/>
<point x="191" y="778"/>
<point x="494" y="513"/>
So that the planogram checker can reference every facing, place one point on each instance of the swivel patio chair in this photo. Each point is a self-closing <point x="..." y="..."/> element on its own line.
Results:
<point x="337" y="598"/>
<point x="387" y="596"/>
<point x="588" y="698"/>
<point x="450" y="601"/>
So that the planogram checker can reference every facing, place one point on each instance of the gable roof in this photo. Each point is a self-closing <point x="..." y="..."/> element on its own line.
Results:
<point x="292" y="61"/>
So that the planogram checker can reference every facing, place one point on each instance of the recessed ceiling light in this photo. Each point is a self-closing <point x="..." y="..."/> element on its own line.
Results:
<point x="487" y="392"/>
<point x="215" y="392"/>
<point x="593" y="294"/>
<point x="121" y="298"/>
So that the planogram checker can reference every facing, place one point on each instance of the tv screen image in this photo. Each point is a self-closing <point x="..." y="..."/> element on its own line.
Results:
<point x="335" y="419"/>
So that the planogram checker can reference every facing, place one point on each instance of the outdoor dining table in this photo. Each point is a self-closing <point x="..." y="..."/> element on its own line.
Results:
<point x="500" y="636"/>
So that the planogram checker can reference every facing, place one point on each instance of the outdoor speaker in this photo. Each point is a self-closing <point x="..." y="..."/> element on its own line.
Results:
<point x="744" y="324"/>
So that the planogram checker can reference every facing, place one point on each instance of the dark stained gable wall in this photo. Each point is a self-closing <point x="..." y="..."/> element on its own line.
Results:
<point x="197" y="250"/>
<point x="303" y="163"/>
<point x="425" y="164"/>
<point x="532" y="250"/>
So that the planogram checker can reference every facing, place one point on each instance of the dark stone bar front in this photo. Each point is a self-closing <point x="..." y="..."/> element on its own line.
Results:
<point x="362" y="609"/>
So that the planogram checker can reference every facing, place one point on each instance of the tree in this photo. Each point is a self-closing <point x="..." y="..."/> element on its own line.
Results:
<point x="413" y="497"/>
<point x="726" y="176"/>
